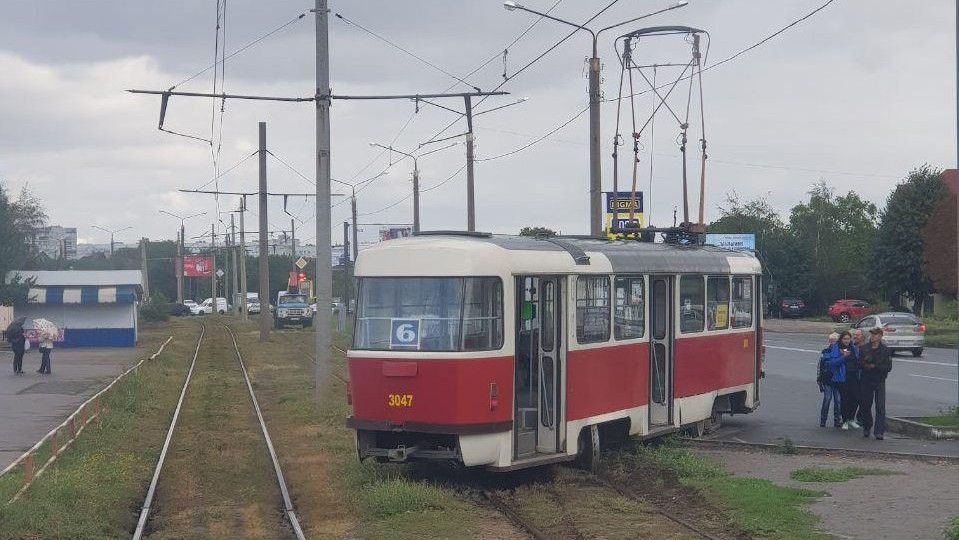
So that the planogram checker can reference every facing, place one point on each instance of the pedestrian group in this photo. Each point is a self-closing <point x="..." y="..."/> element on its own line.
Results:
<point x="852" y="376"/>
<point x="19" y="344"/>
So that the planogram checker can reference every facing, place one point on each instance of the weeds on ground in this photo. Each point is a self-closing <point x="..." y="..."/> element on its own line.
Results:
<point x="788" y="447"/>
<point x="828" y="474"/>
<point x="952" y="530"/>
<point x="945" y="418"/>
<point x="757" y="506"/>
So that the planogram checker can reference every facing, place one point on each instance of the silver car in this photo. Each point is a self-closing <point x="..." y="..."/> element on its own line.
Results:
<point x="901" y="331"/>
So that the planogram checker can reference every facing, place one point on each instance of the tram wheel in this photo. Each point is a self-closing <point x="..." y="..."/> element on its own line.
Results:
<point x="588" y="448"/>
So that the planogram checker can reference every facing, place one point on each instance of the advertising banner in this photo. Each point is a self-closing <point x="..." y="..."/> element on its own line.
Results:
<point x="732" y="241"/>
<point x="197" y="266"/>
<point x="621" y="205"/>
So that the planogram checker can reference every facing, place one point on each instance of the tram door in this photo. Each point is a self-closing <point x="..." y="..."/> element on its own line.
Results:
<point x="660" y="351"/>
<point x="538" y="365"/>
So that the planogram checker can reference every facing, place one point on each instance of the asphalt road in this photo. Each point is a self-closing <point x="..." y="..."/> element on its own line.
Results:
<point x="790" y="398"/>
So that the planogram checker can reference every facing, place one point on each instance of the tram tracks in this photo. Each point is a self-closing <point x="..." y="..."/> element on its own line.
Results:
<point x="149" y="503"/>
<point x="508" y="501"/>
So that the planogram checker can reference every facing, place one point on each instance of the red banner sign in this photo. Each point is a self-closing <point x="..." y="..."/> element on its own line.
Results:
<point x="197" y="266"/>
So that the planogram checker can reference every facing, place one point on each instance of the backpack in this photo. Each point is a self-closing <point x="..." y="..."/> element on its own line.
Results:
<point x="823" y="373"/>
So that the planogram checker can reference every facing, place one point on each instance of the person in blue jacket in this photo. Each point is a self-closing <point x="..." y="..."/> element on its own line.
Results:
<point x="844" y="357"/>
<point x="830" y="379"/>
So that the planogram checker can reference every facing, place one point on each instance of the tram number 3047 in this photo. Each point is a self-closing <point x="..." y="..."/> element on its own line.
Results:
<point x="400" y="400"/>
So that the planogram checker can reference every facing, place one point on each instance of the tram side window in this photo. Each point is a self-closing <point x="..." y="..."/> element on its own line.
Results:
<point x="592" y="309"/>
<point x="692" y="297"/>
<point x="630" y="316"/>
<point x="742" y="304"/>
<point x="717" y="303"/>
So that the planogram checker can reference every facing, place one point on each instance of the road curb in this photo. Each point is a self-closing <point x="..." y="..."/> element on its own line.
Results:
<point x="919" y="430"/>
<point x="822" y="450"/>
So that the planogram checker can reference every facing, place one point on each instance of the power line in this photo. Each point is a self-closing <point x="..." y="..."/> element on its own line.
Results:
<point x="391" y="205"/>
<point x="241" y="49"/>
<point x="406" y="51"/>
<point x="527" y="66"/>
<point x="721" y="62"/>
<point x="226" y="172"/>
<point x="471" y="73"/>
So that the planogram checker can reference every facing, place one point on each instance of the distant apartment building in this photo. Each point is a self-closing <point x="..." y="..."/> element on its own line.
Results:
<point x="56" y="242"/>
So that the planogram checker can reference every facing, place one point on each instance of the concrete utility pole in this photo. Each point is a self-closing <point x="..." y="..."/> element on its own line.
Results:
<point x="264" y="240"/>
<point x="233" y="266"/>
<point x="324" y="269"/>
<point x="346" y="242"/>
<point x="356" y="243"/>
<point x="180" y="250"/>
<point x="957" y="158"/>
<point x="243" y="289"/>
<point x="213" y="256"/>
<point x="143" y="268"/>
<point x="595" y="96"/>
<point x="293" y="237"/>
<point x="470" y="197"/>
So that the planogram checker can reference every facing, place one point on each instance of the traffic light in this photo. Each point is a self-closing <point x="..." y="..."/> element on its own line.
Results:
<point x="301" y="277"/>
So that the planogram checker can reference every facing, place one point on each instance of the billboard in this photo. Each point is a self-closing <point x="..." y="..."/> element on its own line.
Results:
<point x="732" y="241"/>
<point x="621" y="205"/>
<point x="392" y="233"/>
<point x="197" y="266"/>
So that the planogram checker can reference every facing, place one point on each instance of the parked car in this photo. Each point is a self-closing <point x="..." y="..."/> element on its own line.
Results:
<point x="180" y="310"/>
<point x="189" y="303"/>
<point x="901" y="331"/>
<point x="253" y="307"/>
<point x="207" y="307"/>
<point x="792" y="307"/>
<point x="848" y="309"/>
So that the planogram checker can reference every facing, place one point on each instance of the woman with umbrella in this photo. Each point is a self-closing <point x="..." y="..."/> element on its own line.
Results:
<point x="46" y="333"/>
<point x="14" y="334"/>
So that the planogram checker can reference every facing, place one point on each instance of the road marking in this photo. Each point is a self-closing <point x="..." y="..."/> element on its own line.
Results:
<point x="937" y="378"/>
<point x="895" y="360"/>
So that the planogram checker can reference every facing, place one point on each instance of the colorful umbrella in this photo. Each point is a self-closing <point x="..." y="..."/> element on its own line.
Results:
<point x="46" y="330"/>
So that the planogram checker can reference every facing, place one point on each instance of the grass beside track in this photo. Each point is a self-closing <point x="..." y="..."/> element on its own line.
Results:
<point x="93" y="491"/>
<point x="757" y="507"/>
<point x="831" y="474"/>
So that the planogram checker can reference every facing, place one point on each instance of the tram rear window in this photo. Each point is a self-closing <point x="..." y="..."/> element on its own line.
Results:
<point x="429" y="314"/>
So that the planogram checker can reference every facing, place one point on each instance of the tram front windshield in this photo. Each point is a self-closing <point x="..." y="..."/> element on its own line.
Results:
<point x="429" y="314"/>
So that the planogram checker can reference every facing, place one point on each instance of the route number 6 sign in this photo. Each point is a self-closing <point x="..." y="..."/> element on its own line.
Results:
<point x="405" y="333"/>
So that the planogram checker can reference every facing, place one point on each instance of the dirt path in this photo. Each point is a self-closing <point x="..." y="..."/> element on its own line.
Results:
<point x="915" y="504"/>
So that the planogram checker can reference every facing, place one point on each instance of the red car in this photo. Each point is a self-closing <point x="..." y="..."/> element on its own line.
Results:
<point x="848" y="309"/>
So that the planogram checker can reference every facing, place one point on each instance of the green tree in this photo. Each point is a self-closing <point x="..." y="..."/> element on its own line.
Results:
<point x="783" y="268"/>
<point x="835" y="235"/>
<point x="897" y="259"/>
<point x="537" y="231"/>
<point x="17" y="252"/>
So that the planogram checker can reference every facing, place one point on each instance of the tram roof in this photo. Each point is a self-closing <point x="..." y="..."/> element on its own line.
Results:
<point x="554" y="254"/>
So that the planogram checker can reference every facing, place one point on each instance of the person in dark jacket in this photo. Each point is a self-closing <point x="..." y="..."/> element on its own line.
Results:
<point x="844" y="356"/>
<point x="830" y="379"/>
<point x="876" y="362"/>
<point x="18" y="344"/>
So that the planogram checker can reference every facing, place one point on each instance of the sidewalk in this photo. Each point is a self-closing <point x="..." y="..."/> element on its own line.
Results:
<point x="796" y="326"/>
<point x="32" y="404"/>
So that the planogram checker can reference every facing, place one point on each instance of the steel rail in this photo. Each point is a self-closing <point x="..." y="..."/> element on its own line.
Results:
<point x="287" y="502"/>
<point x="148" y="501"/>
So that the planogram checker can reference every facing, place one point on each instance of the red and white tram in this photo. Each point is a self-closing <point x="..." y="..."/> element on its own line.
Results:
<point x="511" y="351"/>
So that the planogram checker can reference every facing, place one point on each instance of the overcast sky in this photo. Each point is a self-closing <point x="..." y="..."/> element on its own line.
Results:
<point x="857" y="95"/>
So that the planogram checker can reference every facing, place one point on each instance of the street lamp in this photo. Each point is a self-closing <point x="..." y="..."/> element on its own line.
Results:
<point x="595" y="169"/>
<point x="416" y="176"/>
<point x="181" y="247"/>
<point x="113" y="232"/>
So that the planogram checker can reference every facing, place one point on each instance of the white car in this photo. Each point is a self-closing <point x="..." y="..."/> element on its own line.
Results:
<point x="207" y="307"/>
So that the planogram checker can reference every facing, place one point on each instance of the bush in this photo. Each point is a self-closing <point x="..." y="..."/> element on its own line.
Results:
<point x="155" y="309"/>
